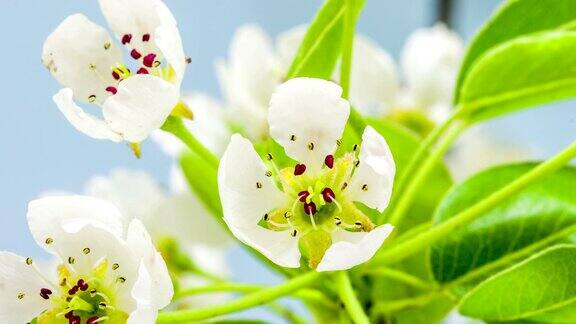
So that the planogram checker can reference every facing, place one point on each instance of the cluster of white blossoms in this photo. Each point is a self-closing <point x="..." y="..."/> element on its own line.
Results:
<point x="136" y="97"/>
<point x="106" y="272"/>
<point x="312" y="203"/>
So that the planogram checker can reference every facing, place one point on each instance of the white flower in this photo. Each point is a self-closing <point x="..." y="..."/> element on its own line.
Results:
<point x="106" y="273"/>
<point x="430" y="62"/>
<point x="136" y="97"/>
<point x="313" y="202"/>
<point x="181" y="216"/>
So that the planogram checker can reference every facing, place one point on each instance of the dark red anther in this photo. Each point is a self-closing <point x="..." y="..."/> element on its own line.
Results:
<point x="299" y="169"/>
<point x="126" y="39"/>
<point x="310" y="208"/>
<point x="82" y="285"/>
<point x="328" y="195"/>
<point x="112" y="90"/>
<point x="329" y="161"/>
<point x="142" y="71"/>
<point x="303" y="195"/>
<point x="69" y="314"/>
<point x="145" y="37"/>
<point x="92" y="320"/>
<point x="115" y="75"/>
<point x="149" y="60"/>
<point x="45" y="293"/>
<point x="73" y="290"/>
<point x="75" y="320"/>
<point x="135" y="54"/>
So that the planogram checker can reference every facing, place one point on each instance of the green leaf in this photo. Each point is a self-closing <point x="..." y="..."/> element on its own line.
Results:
<point x="542" y="283"/>
<point x="513" y="19"/>
<point x="521" y="73"/>
<point x="403" y="144"/>
<point x="202" y="178"/>
<point x="322" y="43"/>
<point x="540" y="212"/>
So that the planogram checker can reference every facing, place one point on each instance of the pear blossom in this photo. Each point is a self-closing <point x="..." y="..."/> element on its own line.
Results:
<point x="314" y="202"/>
<point x="106" y="273"/>
<point x="137" y="96"/>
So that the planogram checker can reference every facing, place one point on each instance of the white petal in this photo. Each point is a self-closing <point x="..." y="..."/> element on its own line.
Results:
<point x="280" y="247"/>
<point x="287" y="45"/>
<point x="209" y="126"/>
<point x="313" y="112"/>
<point x="184" y="218"/>
<point x="249" y="77"/>
<point x="53" y="217"/>
<point x="169" y="42"/>
<point x="17" y="277"/>
<point x="82" y="121"/>
<point x="353" y="248"/>
<point x="374" y="83"/>
<point x="80" y="55"/>
<point x="143" y="315"/>
<point x="373" y="179"/>
<point x="430" y="61"/>
<point x="141" y="244"/>
<point x="135" y="193"/>
<point x="141" y="105"/>
<point x="240" y="170"/>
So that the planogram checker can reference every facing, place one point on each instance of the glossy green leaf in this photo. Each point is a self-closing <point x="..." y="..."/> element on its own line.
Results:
<point x="521" y="73"/>
<point x="403" y="144"/>
<point x="202" y="178"/>
<point x="321" y="46"/>
<point x="537" y="213"/>
<point x="542" y="283"/>
<point x="513" y="19"/>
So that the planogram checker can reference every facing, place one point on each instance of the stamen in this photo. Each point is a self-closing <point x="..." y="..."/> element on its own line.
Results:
<point x="142" y="71"/>
<point x="145" y="37"/>
<point x="299" y="169"/>
<point x="149" y="60"/>
<point x="92" y="320"/>
<point x="328" y="195"/>
<point x="329" y="161"/>
<point x="126" y="39"/>
<point x="112" y="90"/>
<point x="72" y="291"/>
<point x="45" y="293"/>
<point x="302" y="195"/>
<point x="310" y="208"/>
<point x="115" y="75"/>
<point x="135" y="54"/>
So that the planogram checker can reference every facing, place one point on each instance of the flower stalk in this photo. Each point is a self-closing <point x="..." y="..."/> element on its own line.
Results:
<point x="257" y="298"/>
<point x="348" y="297"/>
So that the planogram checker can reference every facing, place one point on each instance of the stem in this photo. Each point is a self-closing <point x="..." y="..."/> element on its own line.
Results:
<point x="415" y="161"/>
<point x="176" y="127"/>
<point x="424" y="240"/>
<point x="400" y="304"/>
<point x="422" y="174"/>
<point x="348" y="297"/>
<point x="257" y="298"/>
<point x="402" y="277"/>
<point x="307" y="295"/>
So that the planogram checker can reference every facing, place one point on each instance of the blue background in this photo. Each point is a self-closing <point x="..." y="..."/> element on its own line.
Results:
<point x="40" y="151"/>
